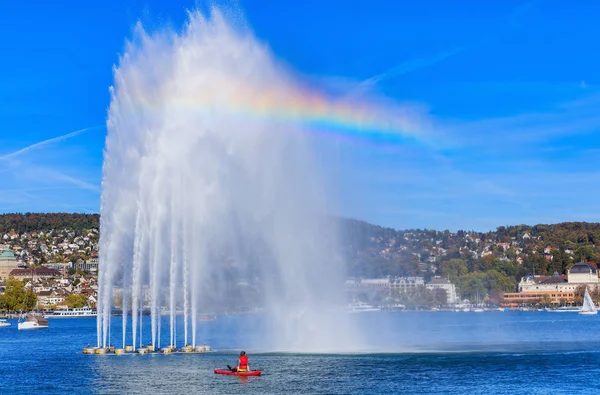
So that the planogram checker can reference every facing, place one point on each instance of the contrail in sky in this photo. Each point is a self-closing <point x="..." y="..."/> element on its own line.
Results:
<point x="401" y="69"/>
<point x="45" y="142"/>
<point x="411" y="65"/>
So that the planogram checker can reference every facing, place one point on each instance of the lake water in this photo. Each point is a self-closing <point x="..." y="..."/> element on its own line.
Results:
<point x="411" y="353"/>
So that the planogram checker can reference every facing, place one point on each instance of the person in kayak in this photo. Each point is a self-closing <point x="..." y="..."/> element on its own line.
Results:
<point x="242" y="364"/>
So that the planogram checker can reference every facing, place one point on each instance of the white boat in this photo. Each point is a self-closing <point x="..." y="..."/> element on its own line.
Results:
<point x="564" y="310"/>
<point x="360" y="307"/>
<point x="3" y="323"/>
<point x="83" y="312"/>
<point x="588" y="307"/>
<point x="33" y="322"/>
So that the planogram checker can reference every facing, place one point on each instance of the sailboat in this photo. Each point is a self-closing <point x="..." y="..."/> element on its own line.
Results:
<point x="588" y="307"/>
<point x="478" y="308"/>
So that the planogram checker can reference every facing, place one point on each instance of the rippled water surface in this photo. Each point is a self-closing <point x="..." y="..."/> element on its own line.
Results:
<point x="450" y="353"/>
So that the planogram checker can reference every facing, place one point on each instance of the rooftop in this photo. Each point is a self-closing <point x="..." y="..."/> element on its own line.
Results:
<point x="582" y="267"/>
<point x="439" y="280"/>
<point x="7" y="255"/>
<point x="40" y="271"/>
<point x="554" y="280"/>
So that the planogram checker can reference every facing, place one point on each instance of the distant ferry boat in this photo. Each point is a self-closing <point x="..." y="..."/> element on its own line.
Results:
<point x="82" y="312"/>
<point x="360" y="307"/>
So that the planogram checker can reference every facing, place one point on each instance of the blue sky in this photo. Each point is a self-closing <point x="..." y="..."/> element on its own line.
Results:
<point x="510" y="89"/>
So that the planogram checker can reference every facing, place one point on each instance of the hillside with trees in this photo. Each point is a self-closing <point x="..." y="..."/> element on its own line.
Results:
<point x="42" y="222"/>
<point x="479" y="263"/>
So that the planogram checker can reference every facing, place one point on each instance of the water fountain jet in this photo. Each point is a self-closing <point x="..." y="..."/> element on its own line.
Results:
<point x="205" y="185"/>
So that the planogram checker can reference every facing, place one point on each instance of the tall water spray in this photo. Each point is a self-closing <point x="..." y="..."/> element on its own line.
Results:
<point x="211" y="199"/>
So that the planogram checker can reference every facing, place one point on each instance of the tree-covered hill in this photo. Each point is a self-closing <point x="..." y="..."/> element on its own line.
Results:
<point x="480" y="263"/>
<point x="30" y="222"/>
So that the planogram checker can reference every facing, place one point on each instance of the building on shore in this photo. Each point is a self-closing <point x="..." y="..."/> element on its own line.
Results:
<point x="49" y="298"/>
<point x="559" y="283"/>
<point x="443" y="283"/>
<point x="583" y="273"/>
<point x="560" y="288"/>
<point x="8" y="263"/>
<point x="556" y="297"/>
<point x="403" y="285"/>
<point x="389" y="283"/>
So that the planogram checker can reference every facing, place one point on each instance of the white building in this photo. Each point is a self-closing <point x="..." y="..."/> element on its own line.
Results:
<point x="49" y="298"/>
<point x="369" y="283"/>
<point x="579" y="273"/>
<point x="90" y="266"/>
<point x="445" y="284"/>
<point x="400" y="284"/>
<point x="583" y="273"/>
<point x="406" y="284"/>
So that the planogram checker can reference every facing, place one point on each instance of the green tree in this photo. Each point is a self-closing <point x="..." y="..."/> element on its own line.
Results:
<point x="453" y="269"/>
<point x="16" y="297"/>
<point x="75" y="301"/>
<point x="511" y="253"/>
<point x="584" y="253"/>
<point x="546" y="300"/>
<point x="440" y="297"/>
<point x="499" y="281"/>
<point x="579" y="292"/>
<point x="473" y="286"/>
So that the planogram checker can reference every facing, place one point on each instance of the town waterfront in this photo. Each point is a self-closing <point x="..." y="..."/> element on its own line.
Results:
<point x="427" y="352"/>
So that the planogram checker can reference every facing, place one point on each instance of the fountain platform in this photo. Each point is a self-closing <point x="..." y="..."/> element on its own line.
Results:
<point x="146" y="350"/>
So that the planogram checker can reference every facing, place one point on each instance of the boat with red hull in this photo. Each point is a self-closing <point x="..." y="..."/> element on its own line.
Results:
<point x="243" y="374"/>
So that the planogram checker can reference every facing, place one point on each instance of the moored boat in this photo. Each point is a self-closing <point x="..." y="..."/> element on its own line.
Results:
<point x="33" y="322"/>
<point x="3" y="323"/>
<point x="564" y="309"/>
<point x="360" y="307"/>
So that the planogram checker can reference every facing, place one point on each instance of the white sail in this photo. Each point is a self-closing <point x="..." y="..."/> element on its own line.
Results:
<point x="588" y="304"/>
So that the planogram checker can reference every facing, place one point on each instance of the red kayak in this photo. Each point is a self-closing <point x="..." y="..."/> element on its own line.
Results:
<point x="243" y="374"/>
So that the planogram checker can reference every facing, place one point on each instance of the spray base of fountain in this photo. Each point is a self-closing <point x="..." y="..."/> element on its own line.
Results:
<point x="188" y="349"/>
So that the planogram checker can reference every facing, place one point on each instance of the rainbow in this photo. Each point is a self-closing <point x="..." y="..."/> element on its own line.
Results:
<point x="346" y="118"/>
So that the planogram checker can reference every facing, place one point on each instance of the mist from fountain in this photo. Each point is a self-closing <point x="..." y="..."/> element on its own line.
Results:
<point x="209" y="201"/>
